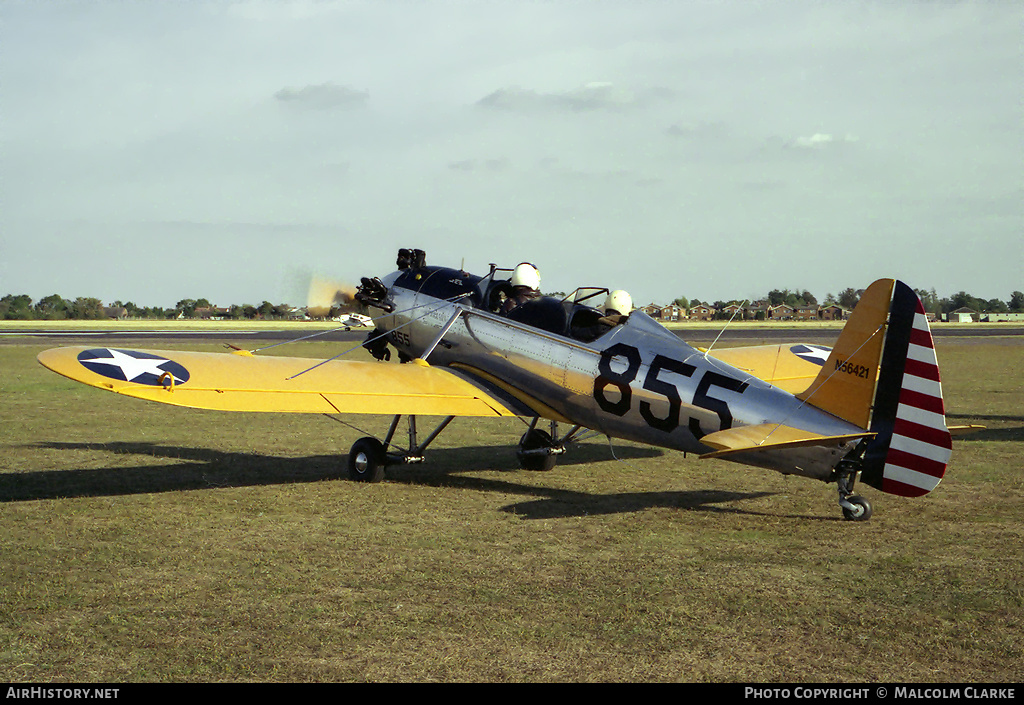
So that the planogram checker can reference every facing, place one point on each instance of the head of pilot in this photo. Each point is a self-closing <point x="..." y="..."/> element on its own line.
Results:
<point x="618" y="302"/>
<point x="526" y="275"/>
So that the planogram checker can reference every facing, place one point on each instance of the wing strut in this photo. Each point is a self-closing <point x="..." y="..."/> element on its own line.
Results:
<point x="441" y="334"/>
<point x="415" y="452"/>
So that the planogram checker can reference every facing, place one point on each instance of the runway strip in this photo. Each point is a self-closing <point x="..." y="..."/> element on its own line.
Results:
<point x="826" y="336"/>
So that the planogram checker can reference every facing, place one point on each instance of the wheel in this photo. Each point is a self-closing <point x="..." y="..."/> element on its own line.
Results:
<point x="532" y="440"/>
<point x="861" y="511"/>
<point x="367" y="460"/>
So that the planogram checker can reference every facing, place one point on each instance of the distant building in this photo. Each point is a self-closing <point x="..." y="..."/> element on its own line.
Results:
<point x="782" y="312"/>
<point x="757" y="311"/>
<point x="963" y="315"/>
<point x="652" y="310"/>
<point x="669" y="313"/>
<point x="212" y="313"/>
<point x="761" y="311"/>
<point x="833" y="312"/>
<point x="732" y="310"/>
<point x="672" y="312"/>
<point x="702" y="312"/>
<point x="806" y="313"/>
<point x="1003" y="317"/>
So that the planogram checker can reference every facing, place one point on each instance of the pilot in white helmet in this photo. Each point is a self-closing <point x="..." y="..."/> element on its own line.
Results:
<point x="616" y="309"/>
<point x="525" y="274"/>
<point x="618" y="303"/>
<point x="525" y="286"/>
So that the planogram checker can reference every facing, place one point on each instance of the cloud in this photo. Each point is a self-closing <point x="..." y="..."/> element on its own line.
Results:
<point x="598" y="95"/>
<point x="819" y="141"/>
<point x="323" y="96"/>
<point x="723" y="120"/>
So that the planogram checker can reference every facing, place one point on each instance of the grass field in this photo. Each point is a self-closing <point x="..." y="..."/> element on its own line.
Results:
<point x="140" y="542"/>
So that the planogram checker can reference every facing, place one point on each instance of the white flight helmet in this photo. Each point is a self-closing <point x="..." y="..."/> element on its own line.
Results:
<point x="618" y="301"/>
<point x="527" y="275"/>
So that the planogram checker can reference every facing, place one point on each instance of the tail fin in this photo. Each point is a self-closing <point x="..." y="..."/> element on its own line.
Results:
<point x="883" y="375"/>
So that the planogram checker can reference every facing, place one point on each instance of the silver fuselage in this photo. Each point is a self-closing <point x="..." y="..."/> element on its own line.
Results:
<point x="636" y="381"/>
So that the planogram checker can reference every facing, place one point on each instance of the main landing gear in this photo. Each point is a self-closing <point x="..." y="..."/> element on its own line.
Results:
<point x="855" y="507"/>
<point x="369" y="457"/>
<point x="538" y="450"/>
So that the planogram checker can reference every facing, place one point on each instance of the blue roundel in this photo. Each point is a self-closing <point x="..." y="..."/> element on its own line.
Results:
<point x="133" y="366"/>
<point x="817" y="354"/>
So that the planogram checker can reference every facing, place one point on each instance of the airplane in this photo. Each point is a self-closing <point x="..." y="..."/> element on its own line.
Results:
<point x="869" y="408"/>
<point x="353" y="320"/>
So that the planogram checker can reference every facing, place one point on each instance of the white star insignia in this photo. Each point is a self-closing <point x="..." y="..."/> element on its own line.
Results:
<point x="819" y="354"/>
<point x="815" y="354"/>
<point x="132" y="367"/>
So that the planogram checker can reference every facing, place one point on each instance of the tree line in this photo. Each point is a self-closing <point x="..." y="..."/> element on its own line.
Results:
<point x="55" y="307"/>
<point x="848" y="298"/>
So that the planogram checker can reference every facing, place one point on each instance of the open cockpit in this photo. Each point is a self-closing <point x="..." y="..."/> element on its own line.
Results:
<point x="578" y="316"/>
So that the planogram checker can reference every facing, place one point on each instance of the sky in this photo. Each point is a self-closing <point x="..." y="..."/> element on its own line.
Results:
<point x="152" y="152"/>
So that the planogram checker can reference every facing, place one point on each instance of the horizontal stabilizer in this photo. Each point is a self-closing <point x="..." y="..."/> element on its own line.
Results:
<point x="769" y="436"/>
<point x="965" y="429"/>
<point x="791" y="367"/>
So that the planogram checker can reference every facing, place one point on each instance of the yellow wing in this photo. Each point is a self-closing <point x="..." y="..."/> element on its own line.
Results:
<point x="244" y="382"/>
<point x="790" y="366"/>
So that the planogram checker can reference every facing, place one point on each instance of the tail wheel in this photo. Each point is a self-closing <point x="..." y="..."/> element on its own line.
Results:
<point x="535" y="439"/>
<point x="861" y="510"/>
<point x="367" y="460"/>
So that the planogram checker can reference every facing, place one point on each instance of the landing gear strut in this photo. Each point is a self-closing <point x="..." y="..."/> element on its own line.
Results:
<point x="539" y="450"/>
<point x="855" y="507"/>
<point x="369" y="457"/>
<point x="535" y="451"/>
